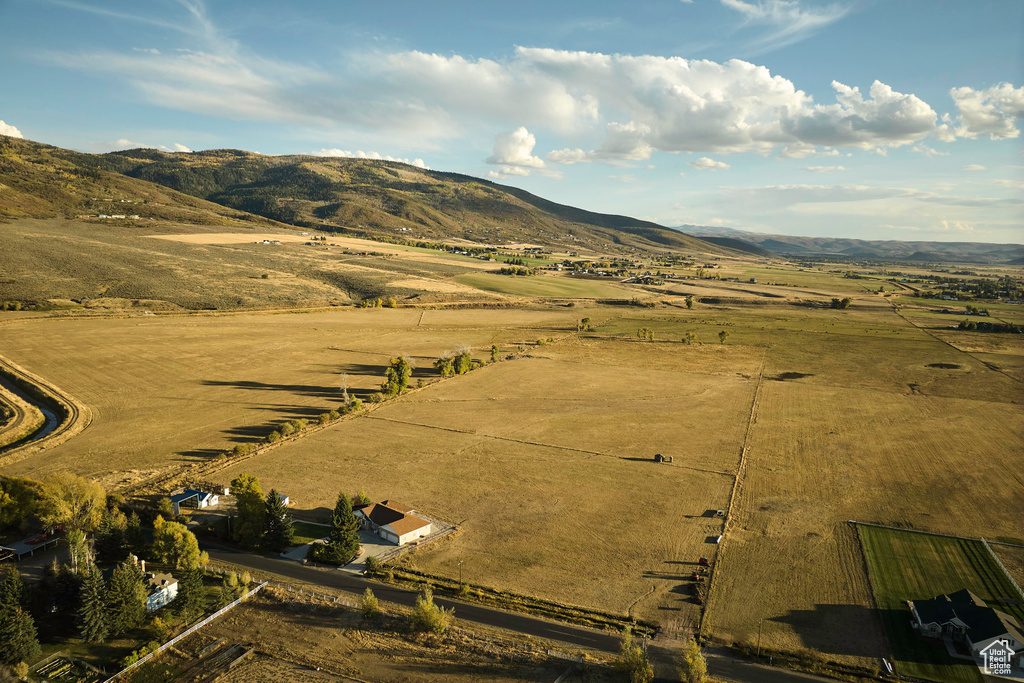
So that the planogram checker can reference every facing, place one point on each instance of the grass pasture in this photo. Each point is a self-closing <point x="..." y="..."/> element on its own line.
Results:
<point x="911" y="566"/>
<point x="547" y="286"/>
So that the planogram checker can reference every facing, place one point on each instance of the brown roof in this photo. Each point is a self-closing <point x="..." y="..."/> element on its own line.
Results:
<point x="408" y="523"/>
<point x="395" y="505"/>
<point x="381" y="514"/>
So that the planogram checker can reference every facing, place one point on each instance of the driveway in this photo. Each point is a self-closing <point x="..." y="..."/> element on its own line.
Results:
<point x="373" y="546"/>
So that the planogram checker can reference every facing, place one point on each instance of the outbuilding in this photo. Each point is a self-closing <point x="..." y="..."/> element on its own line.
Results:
<point x="193" y="498"/>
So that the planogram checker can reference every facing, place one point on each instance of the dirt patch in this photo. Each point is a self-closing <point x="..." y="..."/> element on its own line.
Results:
<point x="945" y="366"/>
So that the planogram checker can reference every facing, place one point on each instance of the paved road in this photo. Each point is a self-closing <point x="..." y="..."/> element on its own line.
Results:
<point x="720" y="664"/>
<point x="534" y="626"/>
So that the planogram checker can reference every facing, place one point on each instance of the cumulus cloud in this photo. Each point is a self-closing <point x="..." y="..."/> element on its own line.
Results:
<point x="824" y="169"/>
<point x="992" y="112"/>
<point x="614" y="108"/>
<point x="9" y="130"/>
<point x="515" y="149"/>
<point x="708" y="164"/>
<point x="791" y="21"/>
<point x="973" y="167"/>
<point x="360" y="154"/>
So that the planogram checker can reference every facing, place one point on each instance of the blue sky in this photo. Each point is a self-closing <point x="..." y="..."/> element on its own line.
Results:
<point x="892" y="119"/>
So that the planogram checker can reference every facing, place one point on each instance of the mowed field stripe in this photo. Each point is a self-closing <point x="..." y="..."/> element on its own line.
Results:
<point x="471" y="432"/>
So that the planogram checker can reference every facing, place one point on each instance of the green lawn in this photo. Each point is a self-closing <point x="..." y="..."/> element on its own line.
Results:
<point x="910" y="566"/>
<point x="544" y="285"/>
<point x="307" y="533"/>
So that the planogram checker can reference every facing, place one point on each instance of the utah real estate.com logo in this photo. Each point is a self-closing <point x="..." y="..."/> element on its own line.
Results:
<point x="997" y="658"/>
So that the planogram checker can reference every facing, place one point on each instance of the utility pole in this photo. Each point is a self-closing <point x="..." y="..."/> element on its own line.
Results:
<point x="460" y="572"/>
<point x="759" y="624"/>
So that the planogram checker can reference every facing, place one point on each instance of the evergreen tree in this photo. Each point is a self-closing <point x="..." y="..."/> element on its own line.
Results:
<point x="134" y="536"/>
<point x="126" y="598"/>
<point x="18" y="639"/>
<point x="248" y="527"/>
<point x="12" y="590"/>
<point x="67" y="591"/>
<point x="92" y="613"/>
<point x="344" y="536"/>
<point x="277" y="530"/>
<point x="110" y="537"/>
<point x="191" y="600"/>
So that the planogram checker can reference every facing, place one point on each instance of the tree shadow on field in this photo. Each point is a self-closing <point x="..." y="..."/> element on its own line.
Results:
<point x="299" y="389"/>
<point x="201" y="453"/>
<point x="837" y="629"/>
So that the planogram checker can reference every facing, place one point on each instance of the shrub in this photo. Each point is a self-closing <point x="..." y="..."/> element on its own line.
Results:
<point x="286" y="429"/>
<point x="334" y="415"/>
<point x="243" y="449"/>
<point x="428" y="617"/>
<point x="369" y="605"/>
<point x="273" y="437"/>
<point x="372" y="565"/>
<point x="323" y="418"/>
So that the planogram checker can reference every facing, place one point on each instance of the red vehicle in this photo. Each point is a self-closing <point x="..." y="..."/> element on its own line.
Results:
<point x="704" y="562"/>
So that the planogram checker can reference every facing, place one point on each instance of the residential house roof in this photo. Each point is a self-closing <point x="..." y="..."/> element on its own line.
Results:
<point x="982" y="622"/>
<point x="395" y="505"/>
<point x="408" y="523"/>
<point x="159" y="582"/>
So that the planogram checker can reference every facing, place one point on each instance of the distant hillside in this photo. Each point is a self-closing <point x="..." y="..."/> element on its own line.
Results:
<point x="376" y="198"/>
<point x="894" y="250"/>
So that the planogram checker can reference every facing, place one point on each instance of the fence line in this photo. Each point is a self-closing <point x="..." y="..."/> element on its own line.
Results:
<point x="192" y="629"/>
<point x="913" y="531"/>
<point x="1001" y="566"/>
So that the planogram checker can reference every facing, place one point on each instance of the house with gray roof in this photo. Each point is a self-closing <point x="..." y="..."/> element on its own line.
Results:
<point x="965" y="619"/>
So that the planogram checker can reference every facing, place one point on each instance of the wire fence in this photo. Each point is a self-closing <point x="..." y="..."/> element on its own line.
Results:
<point x="1001" y="566"/>
<point x="192" y="629"/>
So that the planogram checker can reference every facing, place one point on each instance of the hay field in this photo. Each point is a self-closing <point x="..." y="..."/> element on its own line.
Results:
<point x="544" y="461"/>
<point x="167" y="392"/>
<point x="547" y="286"/>
<point x="856" y="425"/>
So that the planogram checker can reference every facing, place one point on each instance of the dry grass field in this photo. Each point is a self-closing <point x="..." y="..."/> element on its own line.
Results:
<point x="545" y="461"/>
<point x="872" y="433"/>
<point x="338" y="645"/>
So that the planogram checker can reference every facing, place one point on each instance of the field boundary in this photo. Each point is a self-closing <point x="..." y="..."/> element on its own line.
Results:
<point x="1000" y="564"/>
<point x="184" y="634"/>
<point x="734" y="495"/>
<point x="931" y="533"/>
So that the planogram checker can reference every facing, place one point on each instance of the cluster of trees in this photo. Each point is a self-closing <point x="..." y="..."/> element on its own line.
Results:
<point x="517" y="270"/>
<point x="645" y="334"/>
<point x="515" y="261"/>
<point x="101" y="593"/>
<point x="287" y="429"/>
<point x="261" y="521"/>
<point x="986" y="326"/>
<point x="841" y="304"/>
<point x="396" y="377"/>
<point x="583" y="325"/>
<point x="389" y="302"/>
<point x="458" y="362"/>
<point x="974" y="310"/>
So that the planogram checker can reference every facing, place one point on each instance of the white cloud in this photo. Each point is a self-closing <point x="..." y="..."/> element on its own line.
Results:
<point x="125" y="143"/>
<point x="515" y="149"/>
<point x="973" y="167"/>
<point x="9" y="130"/>
<point x="708" y="164"/>
<point x="508" y="171"/>
<point x="614" y="108"/>
<point x="802" y="150"/>
<point x="1013" y="184"/>
<point x="360" y="154"/>
<point x="924" y="149"/>
<point x="991" y="112"/>
<point x="792" y="21"/>
<point x="824" y="169"/>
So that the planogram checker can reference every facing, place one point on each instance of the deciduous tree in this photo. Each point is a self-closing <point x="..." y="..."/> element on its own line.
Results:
<point x="248" y="527"/>
<point x="72" y="501"/>
<point x="174" y="544"/>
